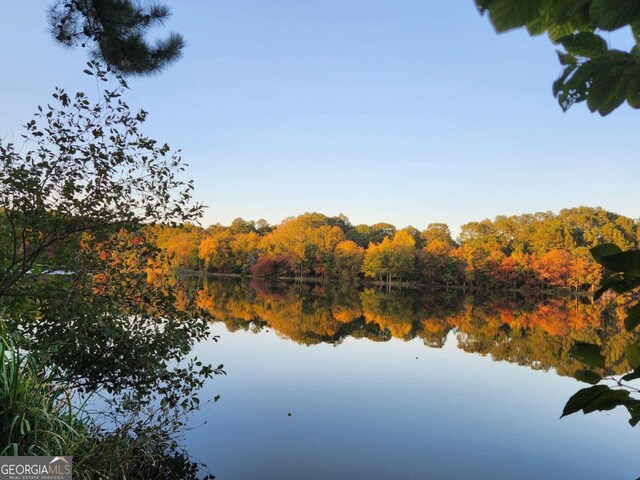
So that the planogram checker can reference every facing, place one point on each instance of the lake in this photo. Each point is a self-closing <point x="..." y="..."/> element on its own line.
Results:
<point x="329" y="383"/>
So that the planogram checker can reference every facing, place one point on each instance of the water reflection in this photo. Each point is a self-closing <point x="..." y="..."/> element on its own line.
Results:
<point x="389" y="391"/>
<point x="527" y="330"/>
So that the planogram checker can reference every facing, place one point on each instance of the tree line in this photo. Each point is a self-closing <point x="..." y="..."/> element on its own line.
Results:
<point x="541" y="250"/>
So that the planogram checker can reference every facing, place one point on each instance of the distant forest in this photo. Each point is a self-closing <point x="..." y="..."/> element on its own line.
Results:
<point x="540" y="250"/>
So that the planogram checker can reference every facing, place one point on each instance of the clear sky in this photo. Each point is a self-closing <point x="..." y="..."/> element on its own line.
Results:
<point x="403" y="111"/>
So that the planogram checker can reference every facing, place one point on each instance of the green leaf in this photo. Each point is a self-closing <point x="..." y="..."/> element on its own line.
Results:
<point x="606" y="401"/>
<point x="633" y="85"/>
<point x="633" y="406"/>
<point x="581" y="398"/>
<point x="559" y="84"/>
<point x="589" y="354"/>
<point x="609" y="105"/>
<point x="508" y="14"/>
<point x="482" y="5"/>
<point x="575" y="88"/>
<point x="584" y="44"/>
<point x="632" y="353"/>
<point x="604" y="249"/>
<point x="570" y="11"/>
<point x="613" y="14"/>
<point x="587" y="376"/>
<point x="607" y="283"/>
<point x="627" y="262"/>
<point x="558" y="31"/>
<point x="607" y="87"/>
<point x="627" y="284"/>
<point x="538" y="25"/>
<point x="566" y="59"/>
<point x="632" y="376"/>
<point x="633" y="318"/>
<point x="618" y="284"/>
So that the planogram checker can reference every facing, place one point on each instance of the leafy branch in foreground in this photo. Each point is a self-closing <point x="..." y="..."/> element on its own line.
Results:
<point x="624" y="279"/>
<point x="74" y="199"/>
<point x="83" y="167"/>
<point x="75" y="277"/>
<point x="604" y="77"/>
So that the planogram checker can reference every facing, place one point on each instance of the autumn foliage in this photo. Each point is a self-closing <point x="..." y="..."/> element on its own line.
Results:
<point x="542" y="250"/>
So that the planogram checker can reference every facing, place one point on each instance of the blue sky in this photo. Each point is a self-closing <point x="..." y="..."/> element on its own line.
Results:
<point x="403" y="111"/>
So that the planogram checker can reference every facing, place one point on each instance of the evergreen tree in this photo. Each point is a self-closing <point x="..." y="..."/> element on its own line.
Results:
<point x="116" y="32"/>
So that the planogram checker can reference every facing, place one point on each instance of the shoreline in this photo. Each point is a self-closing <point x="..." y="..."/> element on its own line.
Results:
<point x="557" y="292"/>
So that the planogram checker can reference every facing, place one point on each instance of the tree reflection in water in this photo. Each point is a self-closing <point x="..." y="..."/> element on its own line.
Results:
<point x="534" y="331"/>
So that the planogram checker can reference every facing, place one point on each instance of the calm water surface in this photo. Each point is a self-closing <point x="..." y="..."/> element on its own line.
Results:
<point x="402" y="385"/>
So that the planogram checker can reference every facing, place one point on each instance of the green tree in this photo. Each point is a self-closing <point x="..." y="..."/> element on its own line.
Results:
<point x="349" y="257"/>
<point x="376" y="262"/>
<point x="115" y="32"/>
<point x="245" y="251"/>
<point x="363" y="234"/>
<point x="84" y="168"/>
<point x="391" y="259"/>
<point x="240" y="225"/>
<point x="437" y="232"/>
